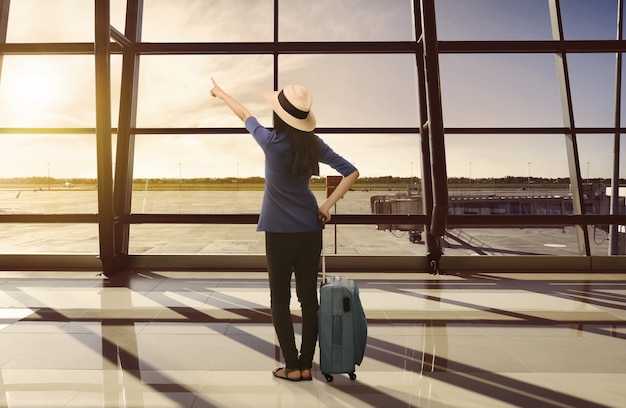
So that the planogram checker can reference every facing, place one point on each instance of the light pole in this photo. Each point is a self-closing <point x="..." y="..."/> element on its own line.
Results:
<point x="587" y="172"/>
<point x="470" y="178"/>
<point x="529" y="175"/>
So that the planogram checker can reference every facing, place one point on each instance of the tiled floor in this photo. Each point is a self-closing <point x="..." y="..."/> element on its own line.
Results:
<point x="191" y="339"/>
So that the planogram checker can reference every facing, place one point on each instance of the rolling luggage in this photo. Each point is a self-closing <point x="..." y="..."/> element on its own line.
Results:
<point x="342" y="325"/>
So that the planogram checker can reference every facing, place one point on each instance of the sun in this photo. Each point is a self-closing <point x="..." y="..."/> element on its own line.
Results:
<point x="30" y="87"/>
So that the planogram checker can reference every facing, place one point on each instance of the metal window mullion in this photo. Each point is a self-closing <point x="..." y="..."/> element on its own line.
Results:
<point x="439" y="183"/>
<point x="427" y="181"/>
<point x="103" y="135"/>
<point x="4" y="22"/>
<point x="122" y="191"/>
<point x="614" y="210"/>
<point x="4" y="19"/>
<point x="570" y="136"/>
<point x="127" y="121"/>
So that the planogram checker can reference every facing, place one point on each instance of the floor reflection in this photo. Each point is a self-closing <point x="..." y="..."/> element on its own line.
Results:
<point x="192" y="339"/>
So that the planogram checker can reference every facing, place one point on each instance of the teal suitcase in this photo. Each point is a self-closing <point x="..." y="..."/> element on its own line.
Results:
<point x="342" y="327"/>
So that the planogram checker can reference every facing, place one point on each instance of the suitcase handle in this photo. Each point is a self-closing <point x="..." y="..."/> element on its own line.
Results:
<point x="322" y="219"/>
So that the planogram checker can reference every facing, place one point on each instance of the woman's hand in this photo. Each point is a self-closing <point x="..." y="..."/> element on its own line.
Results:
<point x="239" y="110"/>
<point x="217" y="92"/>
<point x="323" y="213"/>
<point x="344" y="186"/>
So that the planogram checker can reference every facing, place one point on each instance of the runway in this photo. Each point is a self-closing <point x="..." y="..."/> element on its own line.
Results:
<point x="243" y="239"/>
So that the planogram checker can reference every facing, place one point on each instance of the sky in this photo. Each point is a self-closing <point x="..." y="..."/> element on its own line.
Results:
<point x="490" y="90"/>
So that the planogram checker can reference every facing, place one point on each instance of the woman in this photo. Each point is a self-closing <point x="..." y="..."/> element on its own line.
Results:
<point x="290" y="216"/>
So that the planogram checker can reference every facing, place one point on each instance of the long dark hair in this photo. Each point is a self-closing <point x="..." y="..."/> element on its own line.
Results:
<point x="306" y="153"/>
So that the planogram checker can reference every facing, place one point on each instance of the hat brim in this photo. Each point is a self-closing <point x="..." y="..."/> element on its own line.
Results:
<point x="306" y="125"/>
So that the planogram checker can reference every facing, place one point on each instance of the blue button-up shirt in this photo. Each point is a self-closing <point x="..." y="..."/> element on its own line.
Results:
<point x="288" y="203"/>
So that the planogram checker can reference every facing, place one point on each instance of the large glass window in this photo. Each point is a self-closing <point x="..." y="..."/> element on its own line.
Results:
<point x="62" y="238"/>
<point x="45" y="169"/>
<point x="174" y="90"/>
<point x="35" y="21"/>
<point x="491" y="162"/>
<point x="191" y="155"/>
<point x="45" y="91"/>
<point x="500" y="90"/>
<point x="361" y="90"/>
<point x="212" y="156"/>
<point x="51" y="21"/>
<point x="347" y="20"/>
<point x="493" y="20"/>
<point x="52" y="91"/>
<point x="584" y="20"/>
<point x="208" y="20"/>
<point x="592" y="79"/>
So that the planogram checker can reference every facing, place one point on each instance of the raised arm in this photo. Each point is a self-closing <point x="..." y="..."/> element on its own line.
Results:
<point x="342" y="188"/>
<point x="239" y="110"/>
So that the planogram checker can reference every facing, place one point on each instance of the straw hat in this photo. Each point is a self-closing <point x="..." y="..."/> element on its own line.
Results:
<point x="293" y="105"/>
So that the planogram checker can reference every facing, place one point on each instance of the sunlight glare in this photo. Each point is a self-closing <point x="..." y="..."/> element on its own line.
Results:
<point x="29" y="88"/>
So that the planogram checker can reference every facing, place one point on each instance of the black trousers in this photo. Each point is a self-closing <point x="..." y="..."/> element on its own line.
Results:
<point x="297" y="253"/>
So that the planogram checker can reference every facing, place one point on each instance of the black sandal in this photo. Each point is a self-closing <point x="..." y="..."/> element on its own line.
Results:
<point x="286" y="371"/>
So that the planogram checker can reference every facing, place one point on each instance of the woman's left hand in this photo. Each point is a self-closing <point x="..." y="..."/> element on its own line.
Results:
<point x="323" y="213"/>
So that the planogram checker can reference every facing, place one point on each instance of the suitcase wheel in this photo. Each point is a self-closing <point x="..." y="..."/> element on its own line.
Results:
<point x="330" y="378"/>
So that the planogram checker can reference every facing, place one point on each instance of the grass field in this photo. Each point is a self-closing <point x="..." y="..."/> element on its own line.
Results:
<point x="244" y="185"/>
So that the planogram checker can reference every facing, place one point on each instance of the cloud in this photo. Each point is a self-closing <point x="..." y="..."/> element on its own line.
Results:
<point x="48" y="21"/>
<point x="348" y="90"/>
<point x="207" y="21"/>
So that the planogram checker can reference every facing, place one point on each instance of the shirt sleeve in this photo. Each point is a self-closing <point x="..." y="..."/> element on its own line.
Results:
<point x="260" y="133"/>
<point x="334" y="160"/>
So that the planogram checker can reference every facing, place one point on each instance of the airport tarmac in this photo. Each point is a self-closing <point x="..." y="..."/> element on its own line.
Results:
<point x="243" y="239"/>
